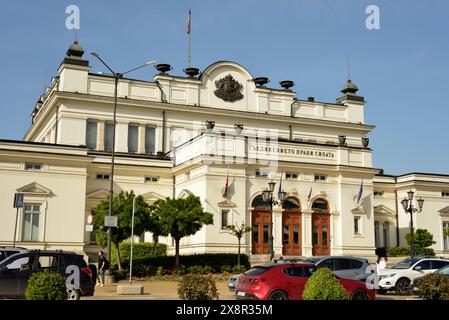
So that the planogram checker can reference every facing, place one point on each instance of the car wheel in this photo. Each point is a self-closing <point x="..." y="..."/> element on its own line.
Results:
<point x="359" y="295"/>
<point x="278" y="295"/>
<point x="403" y="286"/>
<point x="73" y="294"/>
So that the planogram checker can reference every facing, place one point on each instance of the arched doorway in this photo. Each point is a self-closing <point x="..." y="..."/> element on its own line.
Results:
<point x="260" y="226"/>
<point x="291" y="227"/>
<point x="320" y="228"/>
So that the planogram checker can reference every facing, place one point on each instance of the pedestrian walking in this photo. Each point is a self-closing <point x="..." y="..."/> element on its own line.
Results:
<point x="103" y="265"/>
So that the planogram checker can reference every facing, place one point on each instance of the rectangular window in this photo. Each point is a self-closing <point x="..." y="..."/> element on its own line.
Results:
<point x="446" y="237"/>
<point x="101" y="176"/>
<point x="150" y="140"/>
<point x="291" y="176"/>
<point x="357" y="225"/>
<point x="378" y="194"/>
<point x="445" y="194"/>
<point x="255" y="234"/>
<point x="224" y="218"/>
<point x="151" y="179"/>
<point x="286" y="235"/>
<point x="315" y="235"/>
<point x="33" y="166"/>
<point x="296" y="234"/>
<point x="91" y="134"/>
<point x="31" y="214"/>
<point x="324" y="235"/>
<point x="261" y="173"/>
<point x="133" y="137"/>
<point x="108" y="130"/>
<point x="265" y="233"/>
<point x="320" y="177"/>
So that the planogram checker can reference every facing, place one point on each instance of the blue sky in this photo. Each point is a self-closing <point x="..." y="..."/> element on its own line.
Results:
<point x="401" y="69"/>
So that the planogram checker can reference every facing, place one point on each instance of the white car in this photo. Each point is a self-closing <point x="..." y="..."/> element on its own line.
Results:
<point x="6" y="252"/>
<point x="400" y="276"/>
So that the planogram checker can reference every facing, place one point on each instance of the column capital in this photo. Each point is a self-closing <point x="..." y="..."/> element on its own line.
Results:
<point x="307" y="212"/>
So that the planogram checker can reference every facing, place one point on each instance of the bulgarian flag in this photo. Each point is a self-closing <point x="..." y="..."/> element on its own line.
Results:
<point x="188" y="22"/>
<point x="226" y="187"/>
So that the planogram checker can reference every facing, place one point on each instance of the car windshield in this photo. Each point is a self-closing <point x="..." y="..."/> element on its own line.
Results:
<point x="405" y="264"/>
<point x="444" y="270"/>
<point x="258" y="270"/>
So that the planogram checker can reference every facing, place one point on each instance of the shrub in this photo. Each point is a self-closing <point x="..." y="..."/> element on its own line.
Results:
<point x="323" y="285"/>
<point x="141" y="251"/>
<point x="237" y="269"/>
<point x="434" y="287"/>
<point x="200" y="269"/>
<point x="405" y="251"/>
<point x="160" y="271"/>
<point x="180" y="270"/>
<point x="226" y="269"/>
<point x="422" y="238"/>
<point x="197" y="287"/>
<point x="46" y="286"/>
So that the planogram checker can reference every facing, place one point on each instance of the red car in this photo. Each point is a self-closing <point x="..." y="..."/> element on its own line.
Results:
<point x="287" y="281"/>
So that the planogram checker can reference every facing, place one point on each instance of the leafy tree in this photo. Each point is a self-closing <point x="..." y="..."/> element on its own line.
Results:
<point x="422" y="238"/>
<point x="122" y="206"/>
<point x="179" y="218"/>
<point x="239" y="232"/>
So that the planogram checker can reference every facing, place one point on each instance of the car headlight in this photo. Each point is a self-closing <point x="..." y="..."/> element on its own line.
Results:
<point x="386" y="276"/>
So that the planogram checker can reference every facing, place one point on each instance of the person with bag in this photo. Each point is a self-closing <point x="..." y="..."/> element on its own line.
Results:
<point x="103" y="265"/>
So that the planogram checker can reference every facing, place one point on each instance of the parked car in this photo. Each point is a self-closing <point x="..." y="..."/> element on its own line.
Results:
<point x="14" y="280"/>
<point x="344" y="267"/>
<point x="6" y="252"/>
<point x="415" y="284"/>
<point x="400" y="276"/>
<point x="284" y="281"/>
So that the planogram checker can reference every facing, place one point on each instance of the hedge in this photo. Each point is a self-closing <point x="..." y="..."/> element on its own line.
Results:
<point x="141" y="251"/>
<point x="403" y="251"/>
<point x="46" y="285"/>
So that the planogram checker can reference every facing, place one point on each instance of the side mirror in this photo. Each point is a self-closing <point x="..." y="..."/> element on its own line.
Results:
<point x="418" y="268"/>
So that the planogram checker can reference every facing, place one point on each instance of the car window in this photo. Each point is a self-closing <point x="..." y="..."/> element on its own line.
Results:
<point x="356" y="264"/>
<point x="21" y="263"/>
<point x="302" y="272"/>
<point x="437" y="264"/>
<point x="327" y="263"/>
<point x="444" y="271"/>
<point x="342" y="264"/>
<point x="425" y="265"/>
<point x="405" y="264"/>
<point x="256" y="271"/>
<point x="47" y="262"/>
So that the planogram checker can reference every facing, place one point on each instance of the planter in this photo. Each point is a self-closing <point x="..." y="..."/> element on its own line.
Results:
<point x="287" y="84"/>
<point x="238" y="128"/>
<point x="341" y="140"/>
<point x="163" y="67"/>
<point x="365" y="142"/>
<point x="191" y="72"/>
<point x="261" y="81"/>
<point x="210" y="124"/>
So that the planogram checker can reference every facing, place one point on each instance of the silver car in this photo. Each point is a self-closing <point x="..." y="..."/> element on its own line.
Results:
<point x="344" y="267"/>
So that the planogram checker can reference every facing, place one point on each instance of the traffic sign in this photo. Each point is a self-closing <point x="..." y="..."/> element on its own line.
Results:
<point x="110" y="221"/>
<point x="89" y="228"/>
<point x="90" y="218"/>
<point x="18" y="200"/>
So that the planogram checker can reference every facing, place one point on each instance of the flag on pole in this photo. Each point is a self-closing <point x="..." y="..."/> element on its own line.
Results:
<point x="359" y="196"/>
<point x="310" y="194"/>
<point x="226" y="187"/>
<point x="280" y="185"/>
<point x="188" y="22"/>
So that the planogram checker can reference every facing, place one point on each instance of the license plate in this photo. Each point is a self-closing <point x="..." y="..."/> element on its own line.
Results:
<point x="241" y="293"/>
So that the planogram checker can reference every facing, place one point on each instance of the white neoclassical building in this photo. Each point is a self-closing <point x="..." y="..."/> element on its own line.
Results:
<point x="181" y="135"/>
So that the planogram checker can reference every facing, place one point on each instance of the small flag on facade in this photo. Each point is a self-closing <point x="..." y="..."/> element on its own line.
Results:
<point x="226" y="187"/>
<point x="359" y="196"/>
<point x="310" y="194"/>
<point x="280" y="185"/>
<point x="188" y="22"/>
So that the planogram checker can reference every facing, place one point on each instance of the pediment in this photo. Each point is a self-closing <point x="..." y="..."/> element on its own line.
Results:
<point x="227" y="204"/>
<point x="381" y="209"/>
<point x="184" y="194"/>
<point x="152" y="196"/>
<point x="35" y="188"/>
<point x="358" y="210"/>
<point x="99" y="194"/>
<point x="445" y="210"/>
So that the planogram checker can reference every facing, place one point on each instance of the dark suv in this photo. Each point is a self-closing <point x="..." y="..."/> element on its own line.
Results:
<point x="14" y="279"/>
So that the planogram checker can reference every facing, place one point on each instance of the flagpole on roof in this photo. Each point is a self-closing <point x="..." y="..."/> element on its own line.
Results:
<point x="188" y="32"/>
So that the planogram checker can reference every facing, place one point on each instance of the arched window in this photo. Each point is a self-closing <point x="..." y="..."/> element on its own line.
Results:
<point x="291" y="203"/>
<point x="320" y="205"/>
<point x="259" y="203"/>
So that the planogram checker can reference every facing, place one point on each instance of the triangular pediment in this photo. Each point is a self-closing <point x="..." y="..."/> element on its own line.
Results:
<point x="445" y="210"/>
<point x="381" y="209"/>
<point x="358" y="210"/>
<point x="226" y="204"/>
<point x="35" y="188"/>
<point x="184" y="194"/>
<point x="99" y="194"/>
<point x="152" y="196"/>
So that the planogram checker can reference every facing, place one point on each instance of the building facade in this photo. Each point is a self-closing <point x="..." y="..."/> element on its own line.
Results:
<point x="177" y="136"/>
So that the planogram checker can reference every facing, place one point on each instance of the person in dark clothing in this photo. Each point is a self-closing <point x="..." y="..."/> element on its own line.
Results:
<point x="103" y="265"/>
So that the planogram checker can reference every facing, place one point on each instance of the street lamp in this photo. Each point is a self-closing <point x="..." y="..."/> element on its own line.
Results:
<point x="117" y="77"/>
<point x="408" y="206"/>
<point x="267" y="196"/>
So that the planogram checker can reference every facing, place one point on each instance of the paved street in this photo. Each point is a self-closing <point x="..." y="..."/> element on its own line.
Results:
<point x="167" y="290"/>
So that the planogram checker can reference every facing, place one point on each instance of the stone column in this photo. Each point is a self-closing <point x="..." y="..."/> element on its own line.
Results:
<point x="277" y="231"/>
<point x="100" y="135"/>
<point x="141" y="147"/>
<point x="307" y="233"/>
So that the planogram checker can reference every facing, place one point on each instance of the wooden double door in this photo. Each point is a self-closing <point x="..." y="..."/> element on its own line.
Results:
<point x="291" y="232"/>
<point x="320" y="234"/>
<point x="260" y="231"/>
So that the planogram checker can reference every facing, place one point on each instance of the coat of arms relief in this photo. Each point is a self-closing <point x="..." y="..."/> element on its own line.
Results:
<point x="228" y="89"/>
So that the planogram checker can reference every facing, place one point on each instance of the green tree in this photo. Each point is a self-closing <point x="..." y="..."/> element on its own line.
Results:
<point x="122" y="206"/>
<point x="179" y="218"/>
<point x="422" y="238"/>
<point x="239" y="232"/>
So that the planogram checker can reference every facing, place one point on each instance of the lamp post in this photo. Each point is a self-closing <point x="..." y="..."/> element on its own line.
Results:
<point x="267" y="196"/>
<point x="117" y="77"/>
<point x="407" y="204"/>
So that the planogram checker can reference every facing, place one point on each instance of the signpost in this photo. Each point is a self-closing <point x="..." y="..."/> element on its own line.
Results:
<point x="18" y="203"/>
<point x="110" y="221"/>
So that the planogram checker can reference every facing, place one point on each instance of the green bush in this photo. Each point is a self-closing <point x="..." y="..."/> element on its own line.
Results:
<point x="160" y="271"/>
<point x="323" y="285"/>
<point x="226" y="269"/>
<point x="141" y="251"/>
<point x="200" y="269"/>
<point x="434" y="287"/>
<point x="197" y="287"/>
<point x="180" y="270"/>
<point x="238" y="270"/>
<point x="422" y="238"/>
<point x="405" y="251"/>
<point x="46" y="286"/>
